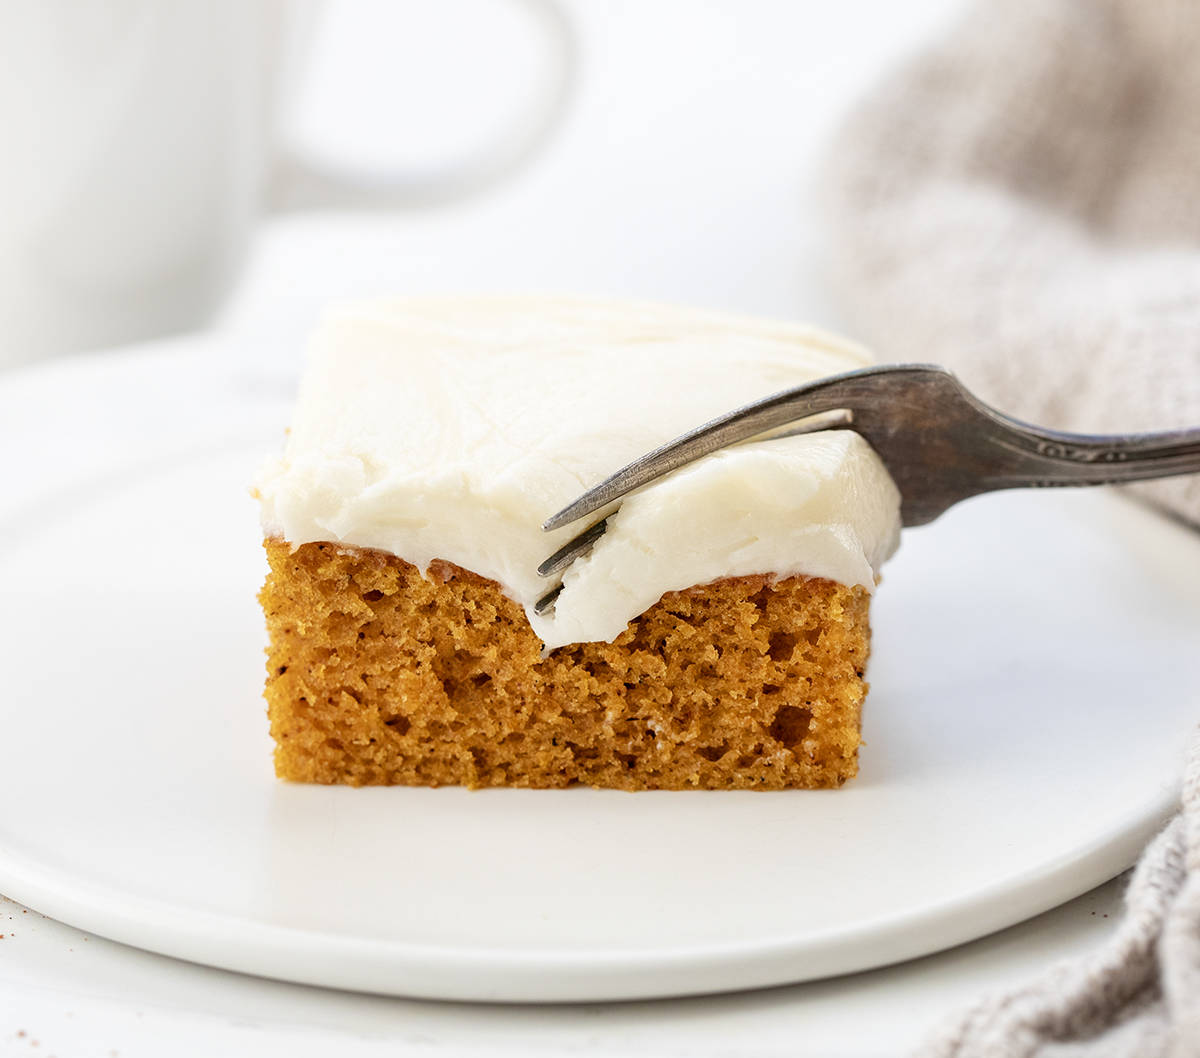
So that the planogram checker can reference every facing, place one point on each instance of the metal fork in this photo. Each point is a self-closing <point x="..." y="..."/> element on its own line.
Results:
<point x="940" y="444"/>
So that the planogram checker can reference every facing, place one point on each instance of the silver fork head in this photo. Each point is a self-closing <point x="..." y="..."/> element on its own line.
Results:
<point x="804" y="409"/>
<point x="828" y="403"/>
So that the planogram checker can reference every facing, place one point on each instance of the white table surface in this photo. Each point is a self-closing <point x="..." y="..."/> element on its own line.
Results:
<point x="682" y="173"/>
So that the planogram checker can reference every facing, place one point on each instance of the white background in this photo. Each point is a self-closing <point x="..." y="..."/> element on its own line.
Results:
<point x="683" y="171"/>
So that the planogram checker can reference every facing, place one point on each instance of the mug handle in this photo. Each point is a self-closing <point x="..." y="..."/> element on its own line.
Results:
<point x="303" y="183"/>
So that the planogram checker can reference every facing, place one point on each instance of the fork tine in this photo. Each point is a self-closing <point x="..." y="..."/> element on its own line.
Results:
<point x="743" y="424"/>
<point x="572" y="549"/>
<point x="546" y="602"/>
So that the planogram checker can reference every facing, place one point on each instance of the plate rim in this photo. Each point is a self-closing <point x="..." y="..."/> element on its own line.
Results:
<point x="430" y="971"/>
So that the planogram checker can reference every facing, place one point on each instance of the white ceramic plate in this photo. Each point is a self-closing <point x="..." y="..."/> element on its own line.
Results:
<point x="1034" y="681"/>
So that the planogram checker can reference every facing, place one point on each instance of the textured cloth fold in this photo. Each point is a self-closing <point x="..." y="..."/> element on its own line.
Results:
<point x="1022" y="204"/>
<point x="1138" y="996"/>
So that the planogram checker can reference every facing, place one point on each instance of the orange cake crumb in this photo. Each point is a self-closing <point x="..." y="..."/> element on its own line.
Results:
<point x="378" y="674"/>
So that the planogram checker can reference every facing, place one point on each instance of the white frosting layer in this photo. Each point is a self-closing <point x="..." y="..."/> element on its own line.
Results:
<point x="444" y="428"/>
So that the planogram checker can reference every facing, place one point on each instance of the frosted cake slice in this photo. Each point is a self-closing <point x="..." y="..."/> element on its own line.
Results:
<point x="716" y="635"/>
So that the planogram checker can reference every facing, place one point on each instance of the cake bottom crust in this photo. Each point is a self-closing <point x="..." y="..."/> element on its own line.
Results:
<point x="378" y="674"/>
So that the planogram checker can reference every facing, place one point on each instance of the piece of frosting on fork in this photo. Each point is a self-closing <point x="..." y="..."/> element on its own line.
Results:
<point x="451" y="428"/>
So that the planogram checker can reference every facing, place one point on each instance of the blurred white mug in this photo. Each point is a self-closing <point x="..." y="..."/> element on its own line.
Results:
<point x="139" y="141"/>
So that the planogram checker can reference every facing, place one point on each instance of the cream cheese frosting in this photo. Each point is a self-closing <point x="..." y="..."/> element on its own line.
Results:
<point x="450" y="428"/>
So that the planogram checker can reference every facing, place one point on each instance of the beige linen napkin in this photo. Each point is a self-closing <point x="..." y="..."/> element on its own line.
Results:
<point x="1022" y="205"/>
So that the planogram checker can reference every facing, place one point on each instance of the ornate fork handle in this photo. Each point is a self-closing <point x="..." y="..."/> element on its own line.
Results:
<point x="962" y="447"/>
<point x="1056" y="458"/>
